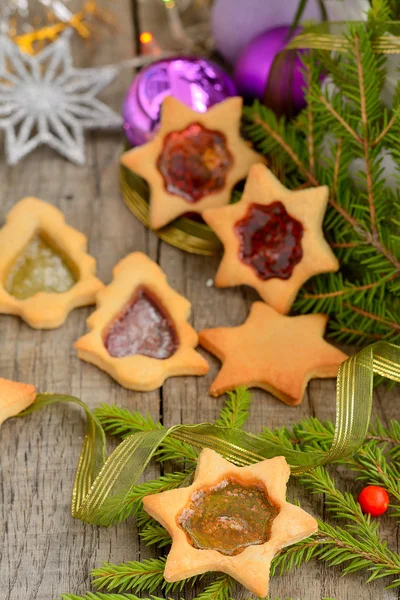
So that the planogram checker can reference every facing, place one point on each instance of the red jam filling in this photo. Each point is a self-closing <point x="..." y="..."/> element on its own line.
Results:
<point x="228" y="517"/>
<point x="144" y="328"/>
<point x="194" y="162"/>
<point x="270" y="240"/>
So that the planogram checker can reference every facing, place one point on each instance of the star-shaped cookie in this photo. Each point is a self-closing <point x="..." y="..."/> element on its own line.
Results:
<point x="139" y="333"/>
<point x="231" y="519"/>
<point x="277" y="353"/>
<point x="14" y="398"/>
<point x="273" y="238"/>
<point x="194" y="160"/>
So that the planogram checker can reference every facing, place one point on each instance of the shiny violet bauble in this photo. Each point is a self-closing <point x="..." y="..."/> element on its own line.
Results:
<point x="196" y="82"/>
<point x="235" y="23"/>
<point x="254" y="69"/>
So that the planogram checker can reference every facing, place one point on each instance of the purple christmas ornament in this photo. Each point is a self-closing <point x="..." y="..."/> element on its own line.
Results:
<point x="235" y="23"/>
<point x="253" y="70"/>
<point x="198" y="83"/>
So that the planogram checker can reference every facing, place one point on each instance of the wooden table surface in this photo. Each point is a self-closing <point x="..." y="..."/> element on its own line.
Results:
<point x="43" y="551"/>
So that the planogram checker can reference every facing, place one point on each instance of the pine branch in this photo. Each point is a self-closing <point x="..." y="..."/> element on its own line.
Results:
<point x="154" y="534"/>
<point x="100" y="596"/>
<point x="236" y="409"/>
<point x="361" y="223"/>
<point x="375" y="463"/>
<point x="122" y="422"/>
<point x="356" y="548"/>
<point x="144" y="576"/>
<point x="220" y="589"/>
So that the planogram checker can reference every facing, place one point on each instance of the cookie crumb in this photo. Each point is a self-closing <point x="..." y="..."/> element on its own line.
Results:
<point x="209" y="282"/>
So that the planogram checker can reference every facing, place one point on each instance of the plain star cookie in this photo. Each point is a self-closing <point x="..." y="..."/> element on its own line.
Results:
<point x="231" y="519"/>
<point x="277" y="353"/>
<point x="194" y="160"/>
<point x="139" y="333"/>
<point x="45" y="271"/>
<point x="273" y="238"/>
<point x="14" y="398"/>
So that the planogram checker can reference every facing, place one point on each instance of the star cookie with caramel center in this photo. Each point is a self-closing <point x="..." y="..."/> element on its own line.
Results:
<point x="273" y="238"/>
<point x="231" y="519"/>
<point x="14" y="398"/>
<point x="139" y="333"/>
<point x="194" y="160"/>
<point x="274" y="352"/>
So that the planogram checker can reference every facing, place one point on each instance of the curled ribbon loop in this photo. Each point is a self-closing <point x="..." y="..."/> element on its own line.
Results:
<point x="102" y="485"/>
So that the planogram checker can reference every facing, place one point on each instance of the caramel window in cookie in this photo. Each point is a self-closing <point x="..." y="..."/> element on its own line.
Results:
<point x="194" y="162"/>
<point x="270" y="240"/>
<point x="144" y="327"/>
<point x="229" y="516"/>
<point x="40" y="267"/>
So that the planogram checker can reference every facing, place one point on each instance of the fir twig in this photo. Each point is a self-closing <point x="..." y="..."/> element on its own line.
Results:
<point x="146" y="575"/>
<point x="100" y="596"/>
<point x="363" y="299"/>
<point x="236" y="409"/>
<point x="220" y="589"/>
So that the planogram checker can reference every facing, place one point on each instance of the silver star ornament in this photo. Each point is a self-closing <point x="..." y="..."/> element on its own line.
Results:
<point x="44" y="100"/>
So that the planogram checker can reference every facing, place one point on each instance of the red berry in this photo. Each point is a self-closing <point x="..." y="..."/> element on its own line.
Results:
<point x="374" y="500"/>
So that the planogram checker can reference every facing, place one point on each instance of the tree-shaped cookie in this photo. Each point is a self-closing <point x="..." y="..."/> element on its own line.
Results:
<point x="45" y="271"/>
<point x="14" y="398"/>
<point x="277" y="353"/>
<point x="273" y="238"/>
<point x="139" y="333"/>
<point x="231" y="519"/>
<point x="194" y="160"/>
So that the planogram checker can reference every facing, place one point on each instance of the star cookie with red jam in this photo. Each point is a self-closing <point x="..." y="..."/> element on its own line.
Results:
<point x="194" y="160"/>
<point x="139" y="333"/>
<point x="231" y="519"/>
<point x="273" y="238"/>
<point x="277" y="353"/>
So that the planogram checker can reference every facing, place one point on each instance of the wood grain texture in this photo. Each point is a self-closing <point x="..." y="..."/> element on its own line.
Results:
<point x="43" y="551"/>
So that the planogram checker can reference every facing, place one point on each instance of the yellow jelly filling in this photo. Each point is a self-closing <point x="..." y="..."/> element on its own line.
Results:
<point x="39" y="268"/>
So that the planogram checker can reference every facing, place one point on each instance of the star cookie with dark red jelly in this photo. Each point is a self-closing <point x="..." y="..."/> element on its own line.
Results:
<point x="277" y="353"/>
<point x="273" y="238"/>
<point x="139" y="333"/>
<point x="194" y="160"/>
<point x="231" y="519"/>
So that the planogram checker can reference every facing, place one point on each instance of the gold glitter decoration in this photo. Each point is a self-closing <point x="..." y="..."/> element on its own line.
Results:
<point x="82" y="22"/>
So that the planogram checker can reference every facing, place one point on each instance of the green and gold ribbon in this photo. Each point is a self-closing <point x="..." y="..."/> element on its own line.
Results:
<point x="102" y="485"/>
<point x="330" y="36"/>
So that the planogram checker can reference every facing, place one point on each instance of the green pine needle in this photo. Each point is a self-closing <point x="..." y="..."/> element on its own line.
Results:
<point x="361" y="223"/>
<point x="236" y="410"/>
<point x="139" y="576"/>
<point x="99" y="596"/>
<point x="220" y="589"/>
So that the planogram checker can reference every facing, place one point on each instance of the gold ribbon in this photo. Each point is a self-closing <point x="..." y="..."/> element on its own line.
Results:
<point x="185" y="234"/>
<point x="329" y="36"/>
<point x="102" y="485"/>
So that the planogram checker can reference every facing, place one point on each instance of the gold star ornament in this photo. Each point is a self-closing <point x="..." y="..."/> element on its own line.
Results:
<point x="231" y="519"/>
<point x="277" y="353"/>
<point x="194" y="160"/>
<point x="273" y="238"/>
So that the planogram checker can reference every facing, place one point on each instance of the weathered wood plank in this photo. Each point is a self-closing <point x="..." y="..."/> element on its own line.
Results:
<point x="43" y="551"/>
